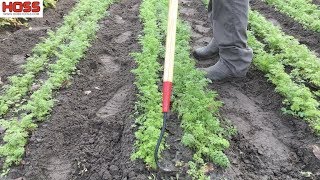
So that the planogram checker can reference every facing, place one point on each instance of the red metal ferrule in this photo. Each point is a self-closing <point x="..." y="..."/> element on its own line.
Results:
<point x="166" y="96"/>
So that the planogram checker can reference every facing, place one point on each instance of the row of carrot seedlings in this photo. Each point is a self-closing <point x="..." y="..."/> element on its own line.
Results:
<point x="43" y="54"/>
<point x="285" y="51"/>
<point x="303" y="11"/>
<point x="195" y="105"/>
<point x="67" y="46"/>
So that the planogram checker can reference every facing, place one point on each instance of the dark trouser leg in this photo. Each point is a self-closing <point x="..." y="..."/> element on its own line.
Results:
<point x="230" y="21"/>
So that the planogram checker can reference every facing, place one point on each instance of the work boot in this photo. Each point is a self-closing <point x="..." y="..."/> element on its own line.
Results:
<point x="208" y="52"/>
<point x="220" y="71"/>
<point x="229" y="21"/>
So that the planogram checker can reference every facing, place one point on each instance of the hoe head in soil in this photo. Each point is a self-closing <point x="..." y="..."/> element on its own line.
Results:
<point x="167" y="79"/>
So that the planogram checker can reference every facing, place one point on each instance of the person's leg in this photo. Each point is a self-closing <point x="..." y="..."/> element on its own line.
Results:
<point x="230" y="21"/>
<point x="211" y="50"/>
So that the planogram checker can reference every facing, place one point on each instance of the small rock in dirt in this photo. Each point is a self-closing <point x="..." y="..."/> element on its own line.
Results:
<point x="209" y="168"/>
<point x="91" y="140"/>
<point x="39" y="140"/>
<point x="202" y="29"/>
<point x="87" y="92"/>
<point x="114" y="169"/>
<point x="246" y="161"/>
<point x="35" y="87"/>
<point x="123" y="37"/>
<point x="1" y="82"/>
<point x="18" y="59"/>
<point x="119" y="20"/>
<point x="235" y="161"/>
<point x="38" y="28"/>
<point x="306" y="174"/>
<point x="20" y="178"/>
<point x="316" y="151"/>
<point x="260" y="152"/>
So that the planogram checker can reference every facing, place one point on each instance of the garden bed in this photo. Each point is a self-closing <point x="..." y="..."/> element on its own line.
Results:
<point x="90" y="133"/>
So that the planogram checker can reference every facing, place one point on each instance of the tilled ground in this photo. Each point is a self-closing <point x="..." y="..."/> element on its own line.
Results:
<point x="90" y="135"/>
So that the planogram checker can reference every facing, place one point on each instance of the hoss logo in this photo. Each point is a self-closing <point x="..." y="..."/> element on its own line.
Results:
<point x="21" y="8"/>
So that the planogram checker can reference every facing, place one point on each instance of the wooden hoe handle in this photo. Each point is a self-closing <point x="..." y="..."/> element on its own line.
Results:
<point x="170" y="51"/>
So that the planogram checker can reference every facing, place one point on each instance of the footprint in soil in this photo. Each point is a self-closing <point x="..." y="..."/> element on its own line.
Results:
<point x="58" y="169"/>
<point x="113" y="106"/>
<point x="109" y="64"/>
<point x="123" y="37"/>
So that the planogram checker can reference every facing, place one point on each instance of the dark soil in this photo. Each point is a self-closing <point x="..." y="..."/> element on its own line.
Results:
<point x="288" y="25"/>
<point x="17" y="43"/>
<point x="317" y="2"/>
<point x="268" y="145"/>
<point x="89" y="134"/>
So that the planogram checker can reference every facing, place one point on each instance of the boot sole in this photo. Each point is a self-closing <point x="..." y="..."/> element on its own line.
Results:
<point x="199" y="58"/>
<point x="228" y="79"/>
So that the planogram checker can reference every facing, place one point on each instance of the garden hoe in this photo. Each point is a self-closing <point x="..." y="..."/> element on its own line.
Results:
<point x="168" y="73"/>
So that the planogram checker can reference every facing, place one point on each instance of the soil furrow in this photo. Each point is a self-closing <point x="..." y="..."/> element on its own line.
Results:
<point x="268" y="144"/>
<point x="16" y="45"/>
<point x="89" y="134"/>
<point x="288" y="25"/>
